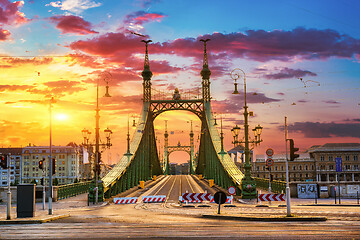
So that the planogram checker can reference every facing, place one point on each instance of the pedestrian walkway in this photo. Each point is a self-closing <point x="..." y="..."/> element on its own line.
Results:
<point x="60" y="209"/>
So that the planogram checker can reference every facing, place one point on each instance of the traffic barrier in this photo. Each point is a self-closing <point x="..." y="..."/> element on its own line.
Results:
<point x="187" y="201"/>
<point x="195" y="197"/>
<point x="154" y="199"/>
<point x="272" y="197"/>
<point x="228" y="199"/>
<point x="125" y="200"/>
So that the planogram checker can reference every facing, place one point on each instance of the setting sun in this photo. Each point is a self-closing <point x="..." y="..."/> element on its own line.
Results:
<point x="61" y="117"/>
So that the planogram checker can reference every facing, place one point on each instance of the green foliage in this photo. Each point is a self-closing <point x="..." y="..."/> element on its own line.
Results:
<point x="55" y="182"/>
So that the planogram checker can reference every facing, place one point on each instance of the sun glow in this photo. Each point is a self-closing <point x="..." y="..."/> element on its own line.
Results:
<point x="61" y="116"/>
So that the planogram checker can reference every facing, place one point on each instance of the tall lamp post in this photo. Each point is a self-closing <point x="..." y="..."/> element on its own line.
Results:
<point x="50" y="157"/>
<point x="108" y="132"/>
<point x="248" y="184"/>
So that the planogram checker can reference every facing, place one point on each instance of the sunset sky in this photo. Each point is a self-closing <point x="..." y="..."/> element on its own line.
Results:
<point x="301" y="60"/>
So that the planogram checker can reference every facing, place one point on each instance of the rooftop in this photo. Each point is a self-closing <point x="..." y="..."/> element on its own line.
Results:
<point x="331" y="147"/>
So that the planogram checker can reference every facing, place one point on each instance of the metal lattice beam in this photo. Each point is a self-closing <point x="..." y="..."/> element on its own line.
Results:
<point x="160" y="106"/>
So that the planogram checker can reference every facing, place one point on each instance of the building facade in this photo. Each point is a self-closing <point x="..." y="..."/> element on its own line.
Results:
<point x="67" y="164"/>
<point x="301" y="169"/>
<point x="15" y="166"/>
<point x="325" y="162"/>
<point x="316" y="164"/>
<point x="237" y="154"/>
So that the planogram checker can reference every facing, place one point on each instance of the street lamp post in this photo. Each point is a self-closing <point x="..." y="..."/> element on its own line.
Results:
<point x="50" y="158"/>
<point x="248" y="184"/>
<point x="8" y="209"/>
<point x="107" y="131"/>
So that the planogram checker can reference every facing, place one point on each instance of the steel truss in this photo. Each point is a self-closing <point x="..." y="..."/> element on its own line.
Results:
<point x="160" y="106"/>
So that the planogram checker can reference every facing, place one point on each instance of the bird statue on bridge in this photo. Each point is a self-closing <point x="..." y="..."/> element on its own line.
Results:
<point x="176" y="95"/>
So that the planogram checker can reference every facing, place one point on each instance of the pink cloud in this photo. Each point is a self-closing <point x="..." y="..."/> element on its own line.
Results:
<point x="4" y="34"/>
<point x="284" y="73"/>
<point x="109" y="44"/>
<point x="72" y="24"/>
<point x="10" y="14"/>
<point x="142" y="17"/>
<point x="257" y="45"/>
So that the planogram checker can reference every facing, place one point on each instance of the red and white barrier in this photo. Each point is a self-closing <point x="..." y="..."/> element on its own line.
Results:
<point x="195" y="197"/>
<point x="154" y="199"/>
<point x="187" y="201"/>
<point x="228" y="199"/>
<point x="125" y="200"/>
<point x="272" y="197"/>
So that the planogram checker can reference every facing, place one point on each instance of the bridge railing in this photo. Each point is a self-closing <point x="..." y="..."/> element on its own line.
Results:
<point x="276" y="186"/>
<point x="70" y="190"/>
<point x="185" y="94"/>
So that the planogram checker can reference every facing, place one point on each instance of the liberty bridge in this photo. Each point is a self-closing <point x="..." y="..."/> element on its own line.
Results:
<point x="141" y="161"/>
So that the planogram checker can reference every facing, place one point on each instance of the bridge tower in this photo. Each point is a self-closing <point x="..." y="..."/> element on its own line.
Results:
<point x="142" y="160"/>
<point x="146" y="74"/>
<point x="169" y="149"/>
<point x="192" y="150"/>
<point x="166" y="155"/>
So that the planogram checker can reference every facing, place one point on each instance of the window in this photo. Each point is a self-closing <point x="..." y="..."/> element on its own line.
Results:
<point x="258" y="168"/>
<point x="294" y="167"/>
<point x="355" y="157"/>
<point x="322" y="158"/>
<point x="347" y="167"/>
<point x="306" y="167"/>
<point x="322" y="167"/>
<point x="300" y="167"/>
<point x="347" y="158"/>
<point x="282" y="168"/>
<point x="331" y="158"/>
<point x="331" y="167"/>
<point x="356" y="167"/>
<point x="276" y="168"/>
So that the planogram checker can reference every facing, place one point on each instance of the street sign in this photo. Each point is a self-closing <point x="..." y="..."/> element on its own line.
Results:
<point x="232" y="190"/>
<point x="220" y="197"/>
<point x="269" y="162"/>
<point x="338" y="163"/>
<point x="269" y="152"/>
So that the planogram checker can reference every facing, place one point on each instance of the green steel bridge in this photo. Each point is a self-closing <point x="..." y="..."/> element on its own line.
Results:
<point x="141" y="162"/>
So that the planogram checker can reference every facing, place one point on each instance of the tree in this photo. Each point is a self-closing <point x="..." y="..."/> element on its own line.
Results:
<point x="55" y="182"/>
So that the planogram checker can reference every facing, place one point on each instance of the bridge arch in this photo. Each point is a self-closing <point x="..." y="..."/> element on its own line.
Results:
<point x="142" y="159"/>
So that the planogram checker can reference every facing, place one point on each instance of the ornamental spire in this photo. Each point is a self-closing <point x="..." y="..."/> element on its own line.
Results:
<point x="205" y="63"/>
<point x="205" y="74"/>
<point x="146" y="63"/>
<point x="146" y="74"/>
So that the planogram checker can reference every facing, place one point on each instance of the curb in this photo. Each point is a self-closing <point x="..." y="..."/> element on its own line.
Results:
<point x="329" y="205"/>
<point x="33" y="221"/>
<point x="267" y="219"/>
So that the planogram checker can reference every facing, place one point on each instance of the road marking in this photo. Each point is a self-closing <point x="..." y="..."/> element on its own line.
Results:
<point x="167" y="197"/>
<point x="180" y="188"/>
<point x="168" y="179"/>
<point x="199" y="189"/>
<point x="187" y="178"/>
